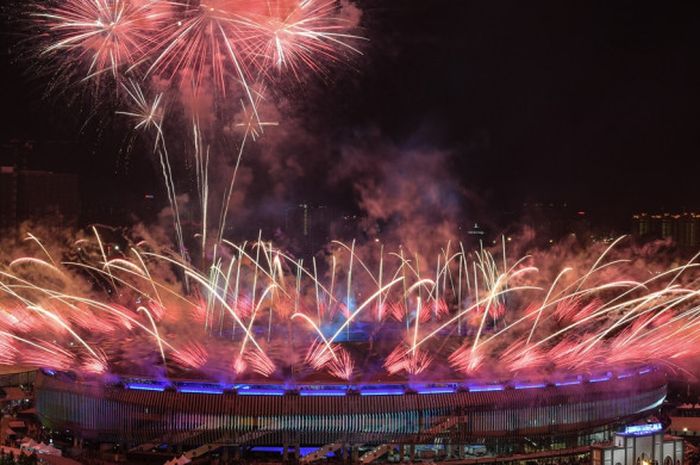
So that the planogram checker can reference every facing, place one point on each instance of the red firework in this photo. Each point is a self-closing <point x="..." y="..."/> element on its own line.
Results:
<point x="403" y="359"/>
<point x="193" y="355"/>
<point x="97" y="37"/>
<point x="230" y="46"/>
<point x="342" y="366"/>
<point x="466" y="360"/>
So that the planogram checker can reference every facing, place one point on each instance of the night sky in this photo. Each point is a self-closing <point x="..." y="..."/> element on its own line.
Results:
<point x="592" y="103"/>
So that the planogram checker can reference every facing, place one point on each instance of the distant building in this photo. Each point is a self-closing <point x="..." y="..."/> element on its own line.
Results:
<point x="8" y="197"/>
<point x="308" y="226"/>
<point x="640" y="444"/>
<point x="32" y="184"/>
<point x="476" y="232"/>
<point x="682" y="228"/>
<point x="347" y="226"/>
<point x="553" y="220"/>
<point x="33" y="194"/>
<point x="685" y="420"/>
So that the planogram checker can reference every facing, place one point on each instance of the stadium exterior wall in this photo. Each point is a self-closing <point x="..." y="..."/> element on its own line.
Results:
<point x="115" y="414"/>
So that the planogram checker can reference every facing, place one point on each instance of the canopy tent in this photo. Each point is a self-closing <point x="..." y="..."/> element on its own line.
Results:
<point x="27" y="443"/>
<point x="39" y="448"/>
<point x="47" y="449"/>
<point x="182" y="460"/>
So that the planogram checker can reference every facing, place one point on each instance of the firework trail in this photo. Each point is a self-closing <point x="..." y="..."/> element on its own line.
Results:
<point x="93" y="38"/>
<point x="253" y="310"/>
<point x="255" y="313"/>
<point x="149" y="115"/>
<point x="229" y="46"/>
<point x="159" y="47"/>
<point x="226" y="48"/>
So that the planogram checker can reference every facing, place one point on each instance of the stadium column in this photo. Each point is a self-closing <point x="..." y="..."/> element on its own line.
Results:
<point x="285" y="448"/>
<point x="353" y="454"/>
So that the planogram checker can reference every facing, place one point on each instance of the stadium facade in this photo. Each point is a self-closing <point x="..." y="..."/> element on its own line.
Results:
<point x="562" y="413"/>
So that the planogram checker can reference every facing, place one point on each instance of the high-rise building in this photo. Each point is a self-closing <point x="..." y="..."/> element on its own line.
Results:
<point x="552" y="221"/>
<point x="682" y="228"/>
<point x="30" y="189"/>
<point x="33" y="194"/>
<point x="8" y="197"/>
<point x="308" y="226"/>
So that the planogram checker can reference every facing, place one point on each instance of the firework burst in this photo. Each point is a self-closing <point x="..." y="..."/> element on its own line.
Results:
<point x="259" y="315"/>
<point x="223" y="46"/>
<point x="93" y="38"/>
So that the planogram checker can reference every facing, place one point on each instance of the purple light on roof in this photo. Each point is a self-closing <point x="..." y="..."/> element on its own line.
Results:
<point x="261" y="392"/>
<point x="322" y="392"/>
<point x="200" y="390"/>
<point x="145" y="387"/>
<point x="383" y="392"/>
<point x="486" y="388"/>
<point x="530" y="386"/>
<point x="436" y="390"/>
<point x="572" y="382"/>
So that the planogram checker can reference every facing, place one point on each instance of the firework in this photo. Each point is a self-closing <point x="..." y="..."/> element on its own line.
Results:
<point x="230" y="47"/>
<point x="256" y="313"/>
<point x="92" y="38"/>
<point x="252" y="310"/>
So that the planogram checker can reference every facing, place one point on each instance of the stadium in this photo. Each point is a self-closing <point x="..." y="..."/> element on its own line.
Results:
<point x="507" y="418"/>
